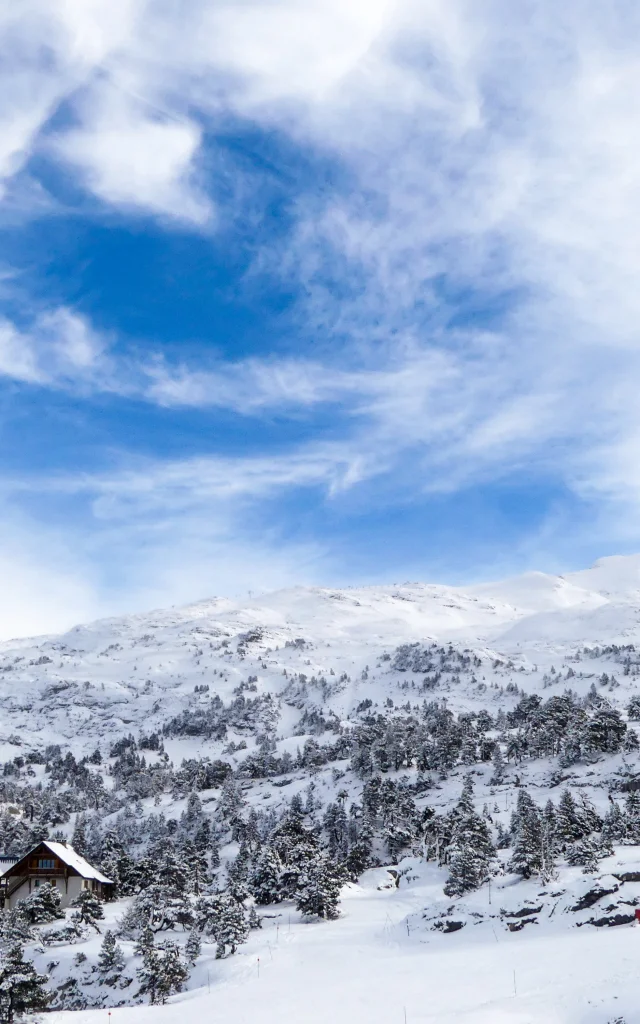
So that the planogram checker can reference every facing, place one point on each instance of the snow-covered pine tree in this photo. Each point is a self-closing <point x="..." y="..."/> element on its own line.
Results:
<point x="549" y="843"/>
<point x="110" y="957"/>
<point x="89" y="909"/>
<point x="586" y="853"/>
<point x="173" y="971"/>
<point x="470" y="848"/>
<point x="614" y="828"/>
<point x="79" y="837"/>
<point x="527" y="832"/>
<point x="148" y="973"/>
<point x="569" y="824"/>
<point x="42" y="905"/>
<point x="264" y="881"/>
<point x="22" y="989"/>
<point x="146" y="941"/>
<point x="232" y="927"/>
<point x="319" y="889"/>
<point x="632" y="814"/>
<point x="499" y="767"/>
<point x="193" y="947"/>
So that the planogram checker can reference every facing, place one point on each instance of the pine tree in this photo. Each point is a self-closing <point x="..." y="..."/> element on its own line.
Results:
<point x="585" y="853"/>
<point x="22" y="989"/>
<point x="193" y="947"/>
<point x="470" y="848"/>
<point x="148" y="973"/>
<point x="89" y="908"/>
<point x="232" y="927"/>
<point x="111" y="957"/>
<point x="319" y="889"/>
<point x="42" y="905"/>
<point x="222" y="917"/>
<point x="264" y="881"/>
<point x="570" y="826"/>
<point x="549" y="843"/>
<point x="527" y="856"/>
<point x="79" y="837"/>
<point x="162" y="971"/>
<point x="253" y="918"/>
<point x="614" y="828"/>
<point x="173" y="973"/>
<point x="146" y="941"/>
<point x="499" y="768"/>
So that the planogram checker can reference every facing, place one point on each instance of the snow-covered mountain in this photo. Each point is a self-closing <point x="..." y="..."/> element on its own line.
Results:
<point x="127" y="673"/>
<point x="348" y="722"/>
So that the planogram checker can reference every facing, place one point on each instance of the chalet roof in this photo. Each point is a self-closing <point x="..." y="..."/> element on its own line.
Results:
<point x="6" y="863"/>
<point x="73" y="860"/>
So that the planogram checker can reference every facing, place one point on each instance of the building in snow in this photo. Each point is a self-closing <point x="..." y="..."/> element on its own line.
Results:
<point x="56" y="863"/>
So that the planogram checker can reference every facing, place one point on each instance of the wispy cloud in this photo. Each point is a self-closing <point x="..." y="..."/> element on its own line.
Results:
<point x="471" y="273"/>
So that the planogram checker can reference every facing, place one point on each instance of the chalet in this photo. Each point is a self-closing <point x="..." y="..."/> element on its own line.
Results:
<point x="56" y="863"/>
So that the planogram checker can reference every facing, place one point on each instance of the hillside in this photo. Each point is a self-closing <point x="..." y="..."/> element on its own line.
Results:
<point x="456" y="763"/>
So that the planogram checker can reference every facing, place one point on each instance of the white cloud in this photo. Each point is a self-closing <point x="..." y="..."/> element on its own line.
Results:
<point x="486" y="155"/>
<point x="130" y="155"/>
<point x="58" y="349"/>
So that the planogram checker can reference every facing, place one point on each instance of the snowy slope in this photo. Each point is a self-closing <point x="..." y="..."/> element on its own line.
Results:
<point x="374" y="965"/>
<point x="390" y="956"/>
<point x="116" y="675"/>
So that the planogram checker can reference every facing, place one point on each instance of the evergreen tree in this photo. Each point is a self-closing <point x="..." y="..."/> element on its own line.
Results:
<point x="632" y="809"/>
<point x="89" y="908"/>
<point x="319" y="889"/>
<point x="146" y="941"/>
<point x="614" y="828"/>
<point x="470" y="848"/>
<point x="232" y="927"/>
<point x="79" y="837"/>
<point x="570" y="824"/>
<point x="223" y="918"/>
<point x="527" y="831"/>
<point x="149" y="972"/>
<point x="42" y="905"/>
<point x="174" y="972"/>
<point x="22" y="989"/>
<point x="193" y="947"/>
<point x="111" y="957"/>
<point x="499" y="768"/>
<point x="264" y="881"/>
<point x="549" y="843"/>
<point x="162" y="971"/>
<point x="585" y="853"/>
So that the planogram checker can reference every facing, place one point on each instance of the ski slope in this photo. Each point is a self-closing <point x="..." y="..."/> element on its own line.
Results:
<point x="367" y="966"/>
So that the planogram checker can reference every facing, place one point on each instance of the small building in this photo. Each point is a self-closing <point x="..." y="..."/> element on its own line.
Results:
<point x="55" y="863"/>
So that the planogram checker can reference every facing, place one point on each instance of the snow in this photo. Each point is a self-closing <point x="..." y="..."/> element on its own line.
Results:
<point x="118" y="675"/>
<point x="384" y="960"/>
<point x="367" y="967"/>
<point x="69" y="856"/>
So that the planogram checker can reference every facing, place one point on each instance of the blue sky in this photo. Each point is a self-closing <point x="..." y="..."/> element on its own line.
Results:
<point x="313" y="293"/>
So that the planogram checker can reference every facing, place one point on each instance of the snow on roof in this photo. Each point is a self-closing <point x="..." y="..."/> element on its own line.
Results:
<point x="73" y="860"/>
<point x="6" y="863"/>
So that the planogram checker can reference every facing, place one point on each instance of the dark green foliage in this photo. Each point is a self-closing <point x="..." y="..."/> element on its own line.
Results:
<point x="22" y="989"/>
<point x="111" y="957"/>
<point x="319" y="889"/>
<point x="41" y="906"/>
<point x="470" y="848"/>
<point x="89" y="908"/>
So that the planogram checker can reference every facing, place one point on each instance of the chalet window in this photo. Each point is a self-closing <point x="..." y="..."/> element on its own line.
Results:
<point x="46" y="863"/>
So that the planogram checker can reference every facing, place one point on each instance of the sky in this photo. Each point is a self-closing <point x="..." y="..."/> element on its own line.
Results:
<point x="313" y="292"/>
